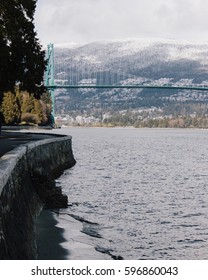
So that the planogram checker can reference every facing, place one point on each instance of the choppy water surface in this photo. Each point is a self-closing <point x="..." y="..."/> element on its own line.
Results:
<point x="140" y="193"/>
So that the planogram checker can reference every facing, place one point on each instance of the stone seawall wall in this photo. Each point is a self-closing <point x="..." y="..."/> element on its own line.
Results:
<point x="26" y="184"/>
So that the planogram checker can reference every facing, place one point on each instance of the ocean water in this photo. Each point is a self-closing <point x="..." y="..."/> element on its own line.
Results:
<point x="136" y="194"/>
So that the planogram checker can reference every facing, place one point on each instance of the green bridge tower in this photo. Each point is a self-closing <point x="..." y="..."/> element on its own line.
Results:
<point x="49" y="75"/>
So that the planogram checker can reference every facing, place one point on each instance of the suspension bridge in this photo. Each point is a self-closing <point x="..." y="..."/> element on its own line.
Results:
<point x="78" y="75"/>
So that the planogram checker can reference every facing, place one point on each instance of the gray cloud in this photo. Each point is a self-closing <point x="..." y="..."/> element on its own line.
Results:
<point x="92" y="20"/>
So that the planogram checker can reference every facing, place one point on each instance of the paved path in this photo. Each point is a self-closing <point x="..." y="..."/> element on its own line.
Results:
<point x="12" y="139"/>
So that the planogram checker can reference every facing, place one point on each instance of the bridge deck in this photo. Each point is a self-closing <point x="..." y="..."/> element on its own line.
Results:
<point x="198" y="88"/>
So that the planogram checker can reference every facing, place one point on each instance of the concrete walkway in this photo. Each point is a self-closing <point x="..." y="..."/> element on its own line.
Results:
<point x="11" y="139"/>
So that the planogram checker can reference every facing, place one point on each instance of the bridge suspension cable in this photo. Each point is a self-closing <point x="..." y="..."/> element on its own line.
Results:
<point x="77" y="72"/>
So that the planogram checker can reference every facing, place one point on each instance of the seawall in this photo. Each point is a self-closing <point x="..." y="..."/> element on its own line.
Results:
<point x="27" y="176"/>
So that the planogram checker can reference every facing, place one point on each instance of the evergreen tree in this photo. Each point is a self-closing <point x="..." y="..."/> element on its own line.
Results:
<point x="47" y="107"/>
<point x="39" y="111"/>
<point x="27" y="105"/>
<point x="11" y="108"/>
<point x="24" y="60"/>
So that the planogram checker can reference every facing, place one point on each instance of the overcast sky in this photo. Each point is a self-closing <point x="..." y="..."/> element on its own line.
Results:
<point x="65" y="21"/>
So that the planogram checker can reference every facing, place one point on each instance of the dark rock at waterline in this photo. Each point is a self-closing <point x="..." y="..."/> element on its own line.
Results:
<point x="108" y="252"/>
<point x="50" y="195"/>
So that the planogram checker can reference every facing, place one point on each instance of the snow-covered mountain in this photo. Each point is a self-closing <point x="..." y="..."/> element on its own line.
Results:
<point x="147" y="58"/>
<point x="131" y="61"/>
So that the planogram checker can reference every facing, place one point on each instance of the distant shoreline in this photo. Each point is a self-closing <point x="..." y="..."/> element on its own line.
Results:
<point x="127" y="127"/>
